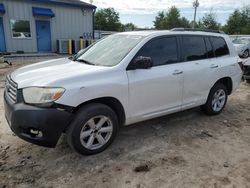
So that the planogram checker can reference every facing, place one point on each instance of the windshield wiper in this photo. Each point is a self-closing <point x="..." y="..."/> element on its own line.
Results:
<point x="84" y="61"/>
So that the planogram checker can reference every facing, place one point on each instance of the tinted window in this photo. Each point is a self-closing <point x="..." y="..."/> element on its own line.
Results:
<point x="161" y="50"/>
<point x="220" y="46"/>
<point x="194" y="48"/>
<point x="210" y="52"/>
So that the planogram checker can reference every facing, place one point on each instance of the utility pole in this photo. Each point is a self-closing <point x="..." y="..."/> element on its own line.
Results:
<point x="195" y="5"/>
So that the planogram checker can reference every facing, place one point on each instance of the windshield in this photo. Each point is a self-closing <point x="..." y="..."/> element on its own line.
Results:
<point x="240" y="41"/>
<point x="111" y="50"/>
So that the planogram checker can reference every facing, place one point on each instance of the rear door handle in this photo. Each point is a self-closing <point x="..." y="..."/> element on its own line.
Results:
<point x="213" y="66"/>
<point x="177" y="72"/>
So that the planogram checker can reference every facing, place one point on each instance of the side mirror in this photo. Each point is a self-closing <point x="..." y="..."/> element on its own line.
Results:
<point x="141" y="62"/>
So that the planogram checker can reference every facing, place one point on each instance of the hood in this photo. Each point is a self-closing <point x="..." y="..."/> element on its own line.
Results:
<point x="48" y="73"/>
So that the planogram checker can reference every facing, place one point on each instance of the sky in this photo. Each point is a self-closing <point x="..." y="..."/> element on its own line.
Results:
<point x="142" y="12"/>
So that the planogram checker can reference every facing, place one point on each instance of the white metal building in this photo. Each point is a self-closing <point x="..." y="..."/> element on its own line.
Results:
<point x="36" y="25"/>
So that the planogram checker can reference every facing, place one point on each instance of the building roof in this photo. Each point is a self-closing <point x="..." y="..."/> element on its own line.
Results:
<point x="69" y="3"/>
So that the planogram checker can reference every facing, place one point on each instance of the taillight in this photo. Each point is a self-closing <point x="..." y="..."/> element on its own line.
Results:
<point x="241" y="65"/>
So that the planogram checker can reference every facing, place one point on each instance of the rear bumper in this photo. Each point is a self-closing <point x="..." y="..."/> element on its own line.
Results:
<point x="41" y="126"/>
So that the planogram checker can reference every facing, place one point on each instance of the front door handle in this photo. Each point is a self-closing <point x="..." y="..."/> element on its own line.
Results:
<point x="177" y="72"/>
<point x="213" y="66"/>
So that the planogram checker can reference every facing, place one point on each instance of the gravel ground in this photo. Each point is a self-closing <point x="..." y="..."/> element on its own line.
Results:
<point x="186" y="149"/>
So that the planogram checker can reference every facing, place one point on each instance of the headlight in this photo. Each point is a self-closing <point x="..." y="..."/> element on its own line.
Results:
<point x="41" y="95"/>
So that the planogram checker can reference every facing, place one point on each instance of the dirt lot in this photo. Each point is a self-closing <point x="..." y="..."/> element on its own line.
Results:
<point x="187" y="149"/>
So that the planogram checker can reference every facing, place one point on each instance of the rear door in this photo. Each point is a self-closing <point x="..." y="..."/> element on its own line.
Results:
<point x="158" y="90"/>
<point x="226" y="62"/>
<point x="200" y="69"/>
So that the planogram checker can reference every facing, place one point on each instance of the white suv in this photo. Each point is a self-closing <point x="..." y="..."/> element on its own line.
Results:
<point x="122" y="79"/>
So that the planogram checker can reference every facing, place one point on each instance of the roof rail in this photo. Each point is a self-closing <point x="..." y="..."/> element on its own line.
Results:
<point x="203" y="30"/>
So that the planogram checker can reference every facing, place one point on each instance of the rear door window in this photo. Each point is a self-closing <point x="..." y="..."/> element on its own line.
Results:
<point x="219" y="45"/>
<point x="194" y="48"/>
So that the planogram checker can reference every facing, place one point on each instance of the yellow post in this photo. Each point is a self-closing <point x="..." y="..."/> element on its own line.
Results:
<point x="81" y="43"/>
<point x="70" y="47"/>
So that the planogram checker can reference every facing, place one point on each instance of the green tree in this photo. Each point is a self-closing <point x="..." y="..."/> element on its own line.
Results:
<point x="238" y="22"/>
<point x="129" y="27"/>
<point x="159" y="22"/>
<point x="107" y="19"/>
<point x="209" y="21"/>
<point x="185" y="23"/>
<point x="173" y="18"/>
<point x="170" y="19"/>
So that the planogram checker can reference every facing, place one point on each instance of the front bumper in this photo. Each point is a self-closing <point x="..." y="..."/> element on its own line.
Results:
<point x="41" y="126"/>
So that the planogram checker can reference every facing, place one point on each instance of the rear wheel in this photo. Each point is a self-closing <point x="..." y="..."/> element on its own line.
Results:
<point x="93" y="129"/>
<point x="217" y="100"/>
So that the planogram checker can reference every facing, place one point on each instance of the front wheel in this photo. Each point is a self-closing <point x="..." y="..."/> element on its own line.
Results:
<point x="216" y="101"/>
<point x="93" y="129"/>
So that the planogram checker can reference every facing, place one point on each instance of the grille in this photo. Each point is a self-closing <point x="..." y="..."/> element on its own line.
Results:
<point x="11" y="89"/>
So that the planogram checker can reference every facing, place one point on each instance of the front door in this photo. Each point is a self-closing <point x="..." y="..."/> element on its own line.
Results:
<point x="43" y="36"/>
<point x="158" y="90"/>
<point x="2" y="38"/>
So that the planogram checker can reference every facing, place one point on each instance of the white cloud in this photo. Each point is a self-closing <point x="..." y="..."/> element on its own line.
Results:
<point x="153" y="6"/>
<point x="143" y="12"/>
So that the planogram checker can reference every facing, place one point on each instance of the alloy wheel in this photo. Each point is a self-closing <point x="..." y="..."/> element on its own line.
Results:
<point x="96" y="132"/>
<point x="219" y="100"/>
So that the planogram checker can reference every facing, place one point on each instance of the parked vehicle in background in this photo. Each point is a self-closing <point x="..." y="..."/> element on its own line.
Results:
<point x="122" y="79"/>
<point x="246" y="70"/>
<point x="242" y="46"/>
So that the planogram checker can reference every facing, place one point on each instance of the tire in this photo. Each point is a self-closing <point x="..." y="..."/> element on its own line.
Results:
<point x="210" y="108"/>
<point x="86" y="136"/>
<point x="245" y="54"/>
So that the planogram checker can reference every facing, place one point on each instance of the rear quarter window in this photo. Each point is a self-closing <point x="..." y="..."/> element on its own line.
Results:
<point x="220" y="46"/>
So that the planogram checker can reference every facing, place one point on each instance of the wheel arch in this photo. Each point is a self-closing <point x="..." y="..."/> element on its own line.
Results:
<point x="228" y="82"/>
<point x="111" y="102"/>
